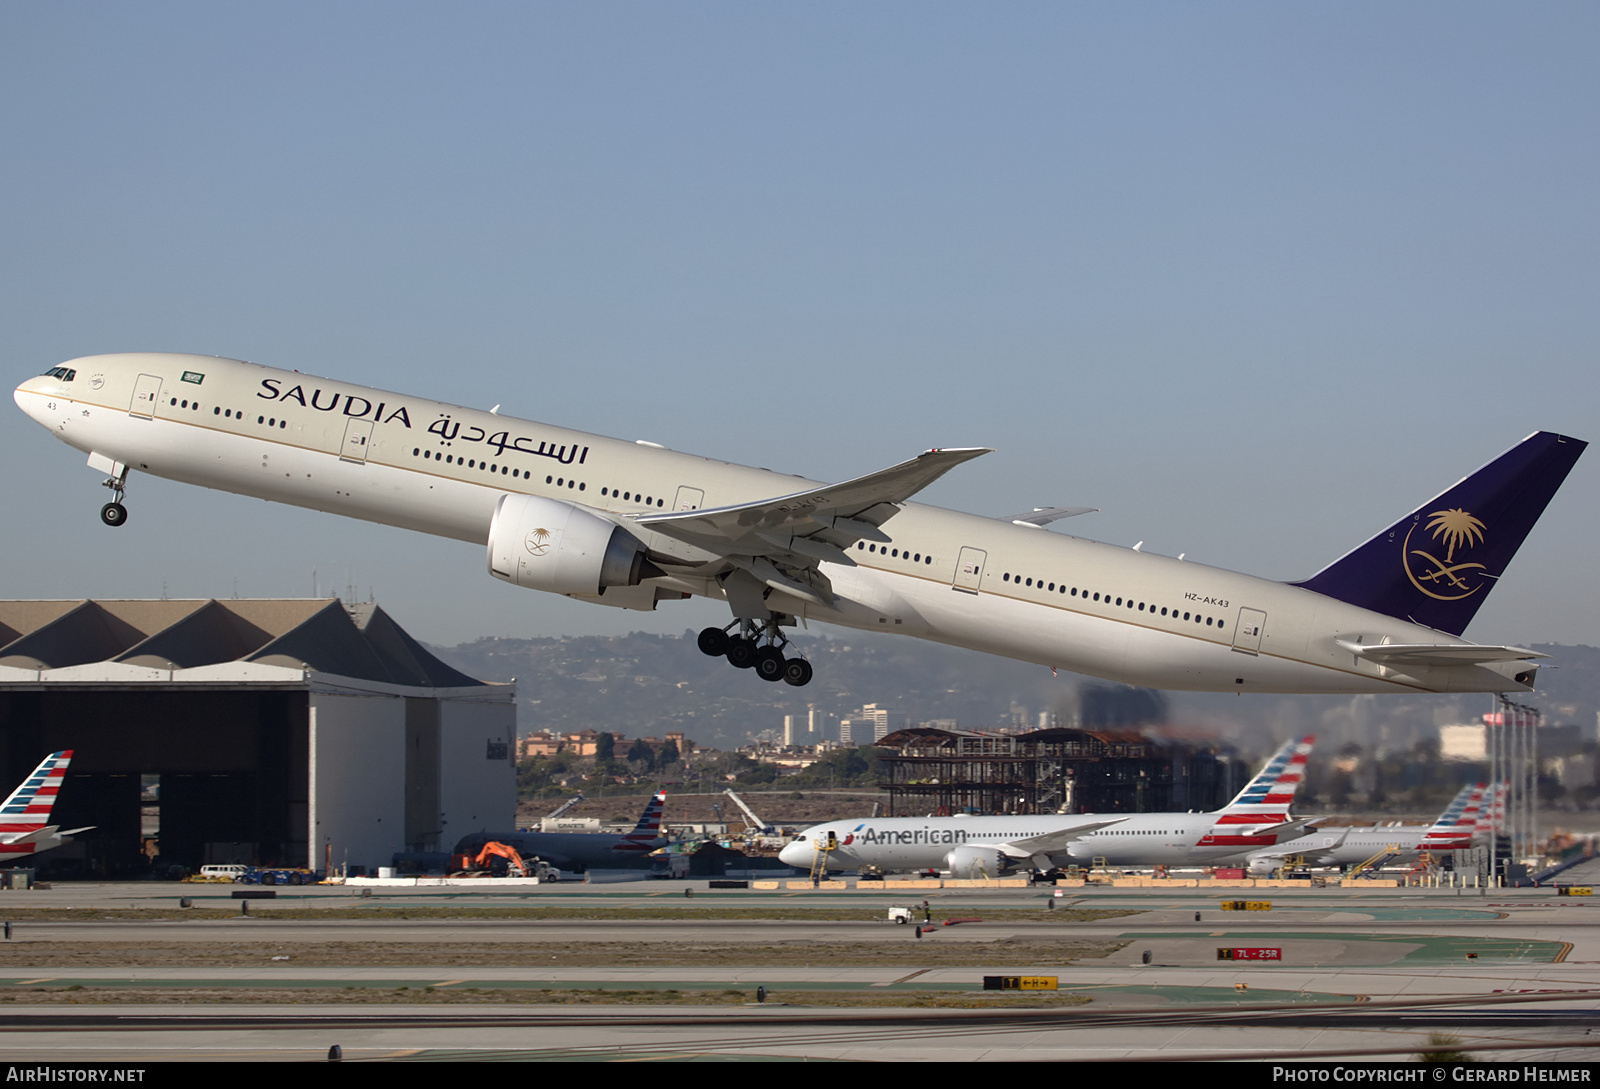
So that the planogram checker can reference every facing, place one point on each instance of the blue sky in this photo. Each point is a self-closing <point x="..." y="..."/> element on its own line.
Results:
<point x="1254" y="278"/>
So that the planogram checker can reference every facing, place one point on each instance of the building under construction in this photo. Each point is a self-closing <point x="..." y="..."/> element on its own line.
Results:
<point x="945" y="772"/>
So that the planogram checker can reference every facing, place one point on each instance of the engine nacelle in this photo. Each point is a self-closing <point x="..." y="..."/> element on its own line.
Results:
<point x="1264" y="866"/>
<point x="975" y="862"/>
<point x="545" y="544"/>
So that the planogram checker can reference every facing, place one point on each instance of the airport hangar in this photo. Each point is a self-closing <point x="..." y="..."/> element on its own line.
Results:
<point x="285" y="732"/>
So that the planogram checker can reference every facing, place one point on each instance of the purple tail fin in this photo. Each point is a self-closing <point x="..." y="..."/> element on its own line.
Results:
<point x="1437" y="564"/>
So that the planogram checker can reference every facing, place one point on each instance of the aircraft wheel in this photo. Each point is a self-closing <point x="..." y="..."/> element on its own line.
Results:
<point x="741" y="652"/>
<point x="113" y="514"/>
<point x="797" y="671"/>
<point x="769" y="664"/>
<point x="713" y="642"/>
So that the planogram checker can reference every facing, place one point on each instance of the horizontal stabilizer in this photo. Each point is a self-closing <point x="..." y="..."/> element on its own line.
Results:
<point x="1288" y="829"/>
<point x="48" y="831"/>
<point x="1436" y="654"/>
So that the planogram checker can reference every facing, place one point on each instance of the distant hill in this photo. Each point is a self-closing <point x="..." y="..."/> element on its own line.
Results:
<point x="645" y="685"/>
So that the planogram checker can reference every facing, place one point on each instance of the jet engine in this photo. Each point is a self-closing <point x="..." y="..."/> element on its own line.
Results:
<point x="545" y="544"/>
<point x="1265" y="866"/>
<point x="975" y="862"/>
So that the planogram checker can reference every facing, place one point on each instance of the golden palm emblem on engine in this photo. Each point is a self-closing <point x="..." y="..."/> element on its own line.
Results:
<point x="538" y="542"/>
<point x="1446" y="579"/>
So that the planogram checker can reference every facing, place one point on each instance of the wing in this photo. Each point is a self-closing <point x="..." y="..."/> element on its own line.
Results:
<point x="1288" y="836"/>
<point x="1436" y="654"/>
<point x="1054" y="842"/>
<point x="781" y="540"/>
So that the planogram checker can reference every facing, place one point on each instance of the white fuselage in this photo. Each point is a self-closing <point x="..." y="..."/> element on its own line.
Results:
<point x="990" y="585"/>
<point x="925" y="843"/>
<point x="1351" y="847"/>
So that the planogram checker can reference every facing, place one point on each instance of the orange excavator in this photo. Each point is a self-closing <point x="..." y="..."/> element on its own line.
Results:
<point x="516" y="866"/>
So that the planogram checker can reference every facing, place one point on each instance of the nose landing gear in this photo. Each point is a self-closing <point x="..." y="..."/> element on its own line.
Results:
<point x="759" y="647"/>
<point x="114" y="513"/>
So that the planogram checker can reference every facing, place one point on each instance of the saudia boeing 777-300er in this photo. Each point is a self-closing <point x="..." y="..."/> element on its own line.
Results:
<point x="632" y="524"/>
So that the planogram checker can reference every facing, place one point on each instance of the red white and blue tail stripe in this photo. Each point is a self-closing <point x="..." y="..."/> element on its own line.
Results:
<point x="1497" y="808"/>
<point x="1457" y="824"/>
<point x="28" y="808"/>
<point x="646" y="835"/>
<point x="24" y="816"/>
<point x="1263" y="805"/>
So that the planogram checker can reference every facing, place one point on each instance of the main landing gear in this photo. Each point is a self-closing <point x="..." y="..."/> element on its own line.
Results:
<point x="758" y="647"/>
<point x="114" y="513"/>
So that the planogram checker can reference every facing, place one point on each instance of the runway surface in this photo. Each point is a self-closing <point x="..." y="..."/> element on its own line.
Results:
<point x="1361" y="973"/>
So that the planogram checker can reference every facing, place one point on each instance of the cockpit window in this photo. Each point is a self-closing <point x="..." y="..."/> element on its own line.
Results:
<point x="66" y="374"/>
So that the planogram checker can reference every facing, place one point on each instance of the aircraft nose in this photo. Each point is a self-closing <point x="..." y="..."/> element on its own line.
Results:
<point x="27" y="397"/>
<point x="794" y="854"/>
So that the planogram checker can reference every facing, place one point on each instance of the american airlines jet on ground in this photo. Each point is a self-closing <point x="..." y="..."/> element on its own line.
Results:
<point x="970" y="846"/>
<point x="1454" y="830"/>
<point x="633" y="524"/>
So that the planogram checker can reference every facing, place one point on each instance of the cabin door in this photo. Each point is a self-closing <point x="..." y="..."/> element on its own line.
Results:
<point x="1247" y="631"/>
<point x="146" y="391"/>
<point x="969" y="570"/>
<point x="357" y="436"/>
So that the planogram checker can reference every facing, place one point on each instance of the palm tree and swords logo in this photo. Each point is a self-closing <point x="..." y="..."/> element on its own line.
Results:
<point x="537" y="542"/>
<point x="1446" y="579"/>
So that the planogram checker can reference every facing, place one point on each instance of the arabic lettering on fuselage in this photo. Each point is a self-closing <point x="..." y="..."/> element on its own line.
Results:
<point x="447" y="429"/>
<point x="450" y="431"/>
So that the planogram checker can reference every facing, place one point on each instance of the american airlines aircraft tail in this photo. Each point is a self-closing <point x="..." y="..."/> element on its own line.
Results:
<point x="23" y="817"/>
<point x="646" y="835"/>
<point x="1261" y="810"/>
<point x="1460" y="823"/>
<point x="1455" y="829"/>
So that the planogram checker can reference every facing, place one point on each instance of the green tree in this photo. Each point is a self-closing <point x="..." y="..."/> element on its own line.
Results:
<point x="758" y="775"/>
<point x="843" y="768"/>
